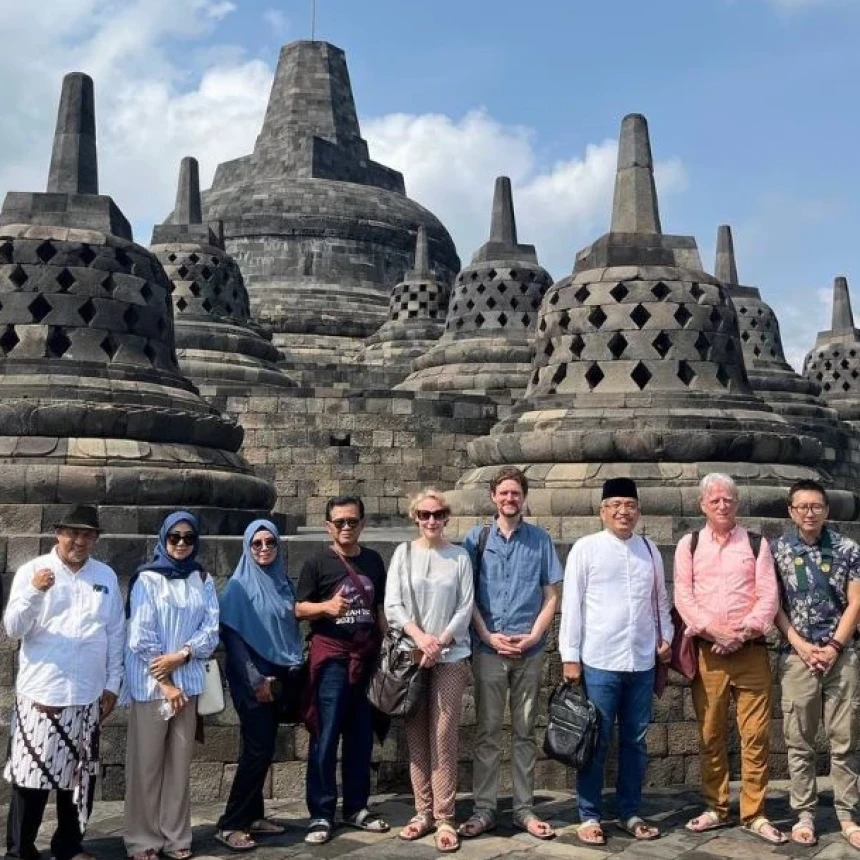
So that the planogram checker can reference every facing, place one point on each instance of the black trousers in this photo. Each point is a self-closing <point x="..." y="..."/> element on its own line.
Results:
<point x="26" y="809"/>
<point x="259" y="732"/>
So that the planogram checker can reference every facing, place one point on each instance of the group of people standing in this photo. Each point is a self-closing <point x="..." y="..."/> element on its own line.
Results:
<point x="480" y="610"/>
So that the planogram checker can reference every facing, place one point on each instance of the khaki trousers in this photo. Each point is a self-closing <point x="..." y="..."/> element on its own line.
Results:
<point x="157" y="766"/>
<point x="495" y="678"/>
<point x="807" y="698"/>
<point x="745" y="677"/>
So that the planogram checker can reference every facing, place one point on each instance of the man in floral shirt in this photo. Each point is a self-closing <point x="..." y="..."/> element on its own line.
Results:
<point x="819" y="577"/>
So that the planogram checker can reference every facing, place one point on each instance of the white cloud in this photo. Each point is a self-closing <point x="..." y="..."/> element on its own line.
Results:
<point x="277" y="22"/>
<point x="450" y="167"/>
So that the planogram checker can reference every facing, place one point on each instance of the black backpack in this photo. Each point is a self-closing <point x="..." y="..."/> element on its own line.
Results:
<point x="754" y="539"/>
<point x="573" y="726"/>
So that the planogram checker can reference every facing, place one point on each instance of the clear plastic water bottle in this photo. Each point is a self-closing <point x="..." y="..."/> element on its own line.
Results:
<point x="165" y="710"/>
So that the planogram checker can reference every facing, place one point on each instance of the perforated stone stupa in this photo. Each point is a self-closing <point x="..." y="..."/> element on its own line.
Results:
<point x="638" y="371"/>
<point x="489" y="331"/>
<point x="416" y="314"/>
<point x="217" y="345"/>
<point x="93" y="407"/>
<point x="320" y="231"/>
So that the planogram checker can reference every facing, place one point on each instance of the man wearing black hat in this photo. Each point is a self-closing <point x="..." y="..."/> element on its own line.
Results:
<point x="608" y="642"/>
<point x="66" y="609"/>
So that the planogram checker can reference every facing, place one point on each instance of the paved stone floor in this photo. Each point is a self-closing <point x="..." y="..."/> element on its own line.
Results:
<point x="668" y="808"/>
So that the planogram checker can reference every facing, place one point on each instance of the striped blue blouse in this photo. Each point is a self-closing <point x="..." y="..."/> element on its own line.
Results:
<point x="165" y="615"/>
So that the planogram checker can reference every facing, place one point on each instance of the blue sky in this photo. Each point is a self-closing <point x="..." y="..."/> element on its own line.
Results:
<point x="751" y="104"/>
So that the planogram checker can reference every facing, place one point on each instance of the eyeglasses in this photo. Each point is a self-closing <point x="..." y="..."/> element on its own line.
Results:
<point x="345" y="523"/>
<point x="814" y="508"/>
<point x="176" y="538"/>
<point x="269" y="543"/>
<point x="621" y="506"/>
<point x="722" y="500"/>
<point x="440" y="515"/>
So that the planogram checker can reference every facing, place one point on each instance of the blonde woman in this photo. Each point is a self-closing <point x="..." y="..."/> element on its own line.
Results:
<point x="429" y="596"/>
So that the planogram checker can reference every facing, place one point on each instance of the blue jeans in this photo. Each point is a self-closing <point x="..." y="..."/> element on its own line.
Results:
<point x="627" y="696"/>
<point x="343" y="711"/>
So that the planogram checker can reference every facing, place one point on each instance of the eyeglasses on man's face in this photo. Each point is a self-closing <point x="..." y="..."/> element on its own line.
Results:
<point x="345" y="523"/>
<point x="811" y="508"/>
<point x="439" y="515"/>
<point x="726" y="501"/>
<point x="617" y="505"/>
<point x="176" y="538"/>
<point x="267" y="543"/>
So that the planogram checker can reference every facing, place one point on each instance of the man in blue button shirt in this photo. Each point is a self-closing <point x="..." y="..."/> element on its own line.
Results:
<point x="517" y="572"/>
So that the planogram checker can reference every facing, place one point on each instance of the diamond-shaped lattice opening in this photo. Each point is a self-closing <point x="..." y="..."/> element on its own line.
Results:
<point x="617" y="344"/>
<point x="459" y="323"/>
<point x="682" y="315"/>
<point x="46" y="252"/>
<point x="207" y="305"/>
<point x="194" y="289"/>
<point x="577" y="345"/>
<point x="58" y="343"/>
<point x="514" y="303"/>
<point x="686" y="373"/>
<point x="524" y="288"/>
<point x="640" y="315"/>
<point x="131" y="318"/>
<point x="594" y="376"/>
<point x="826" y="386"/>
<point x="171" y="258"/>
<point x="581" y="294"/>
<point x="492" y="274"/>
<point x="526" y="320"/>
<point x="542" y="325"/>
<point x="641" y="375"/>
<point x="18" y="277"/>
<point x="745" y="336"/>
<point x="150" y="353"/>
<point x="193" y="258"/>
<point x="844" y="364"/>
<point x="470" y="305"/>
<point x="559" y="375"/>
<point x="716" y="319"/>
<point x="502" y="288"/>
<point x="513" y="274"/>
<point x="9" y="339"/>
<point x="87" y="311"/>
<point x="722" y="376"/>
<point x="702" y="345"/>
<point x="597" y="317"/>
<point x="753" y="323"/>
<point x="828" y="365"/>
<point x="66" y="280"/>
<point x="553" y="299"/>
<point x="536" y="303"/>
<point x="756" y="351"/>
<point x="110" y="346"/>
<point x="181" y="304"/>
<point x="481" y="289"/>
<point x="123" y="259"/>
<point x="479" y="320"/>
<point x="87" y="255"/>
<point x="846" y="386"/>
<point x="837" y="374"/>
<point x="535" y="377"/>
<point x="743" y="310"/>
<point x="697" y="291"/>
<point x="146" y="292"/>
<point x="39" y="308"/>
<point x="109" y="285"/>
<point x="182" y="271"/>
<point x="662" y="343"/>
<point x="564" y="321"/>
<point x="852" y="353"/>
<point x="660" y="291"/>
<point x="491" y="302"/>
<point x="503" y="319"/>
<point x="215" y="261"/>
<point x="855" y="374"/>
<point x="619" y="292"/>
<point x="206" y="272"/>
<point x="7" y="252"/>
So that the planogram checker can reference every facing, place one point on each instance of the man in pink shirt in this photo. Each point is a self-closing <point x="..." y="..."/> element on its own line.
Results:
<point x="727" y="596"/>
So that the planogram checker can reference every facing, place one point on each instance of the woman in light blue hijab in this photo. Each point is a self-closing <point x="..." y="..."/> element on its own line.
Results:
<point x="264" y="649"/>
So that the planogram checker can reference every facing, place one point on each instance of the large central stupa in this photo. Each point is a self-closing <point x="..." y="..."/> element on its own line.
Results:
<point x="322" y="233"/>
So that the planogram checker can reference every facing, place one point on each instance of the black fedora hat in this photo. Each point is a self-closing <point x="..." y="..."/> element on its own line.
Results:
<point x="79" y="517"/>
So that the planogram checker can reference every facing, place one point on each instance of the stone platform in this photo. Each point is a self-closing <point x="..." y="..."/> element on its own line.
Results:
<point x="667" y="808"/>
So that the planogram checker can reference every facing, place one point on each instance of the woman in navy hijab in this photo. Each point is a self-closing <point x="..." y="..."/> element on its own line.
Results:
<point x="172" y="629"/>
<point x="263" y="643"/>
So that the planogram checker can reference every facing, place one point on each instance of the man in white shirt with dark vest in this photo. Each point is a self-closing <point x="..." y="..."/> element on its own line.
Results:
<point x="66" y="609"/>
<point x="614" y="589"/>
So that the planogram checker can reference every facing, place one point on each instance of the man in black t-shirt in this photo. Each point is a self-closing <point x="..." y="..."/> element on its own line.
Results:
<point x="340" y="591"/>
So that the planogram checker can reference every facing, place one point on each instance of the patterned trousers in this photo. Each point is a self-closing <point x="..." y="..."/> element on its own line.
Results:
<point x="432" y="732"/>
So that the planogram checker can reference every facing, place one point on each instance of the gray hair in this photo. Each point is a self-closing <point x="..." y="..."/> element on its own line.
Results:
<point x="717" y="478"/>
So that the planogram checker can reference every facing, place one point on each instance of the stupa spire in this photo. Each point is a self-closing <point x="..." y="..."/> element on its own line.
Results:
<point x="503" y="224"/>
<point x="74" y="161"/>
<point x="188" y="209"/>
<point x="725" y="268"/>
<point x="634" y="208"/>
<point x="843" y="318"/>
<point x="422" y="255"/>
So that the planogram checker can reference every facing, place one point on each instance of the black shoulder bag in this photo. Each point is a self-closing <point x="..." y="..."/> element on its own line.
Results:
<point x="573" y="727"/>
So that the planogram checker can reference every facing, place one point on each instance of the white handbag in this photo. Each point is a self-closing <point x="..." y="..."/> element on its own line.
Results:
<point x="211" y="700"/>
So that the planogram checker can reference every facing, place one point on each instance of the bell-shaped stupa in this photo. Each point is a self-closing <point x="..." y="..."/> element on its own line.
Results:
<point x="638" y="372"/>
<point x="416" y="314"/>
<point x="320" y="230"/>
<point x="93" y="407"/>
<point x="489" y="331"/>
<point x="217" y="345"/>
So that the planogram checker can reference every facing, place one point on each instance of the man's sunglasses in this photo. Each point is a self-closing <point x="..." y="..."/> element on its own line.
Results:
<point x="269" y="543"/>
<point x="345" y="523"/>
<point x="176" y="538"/>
